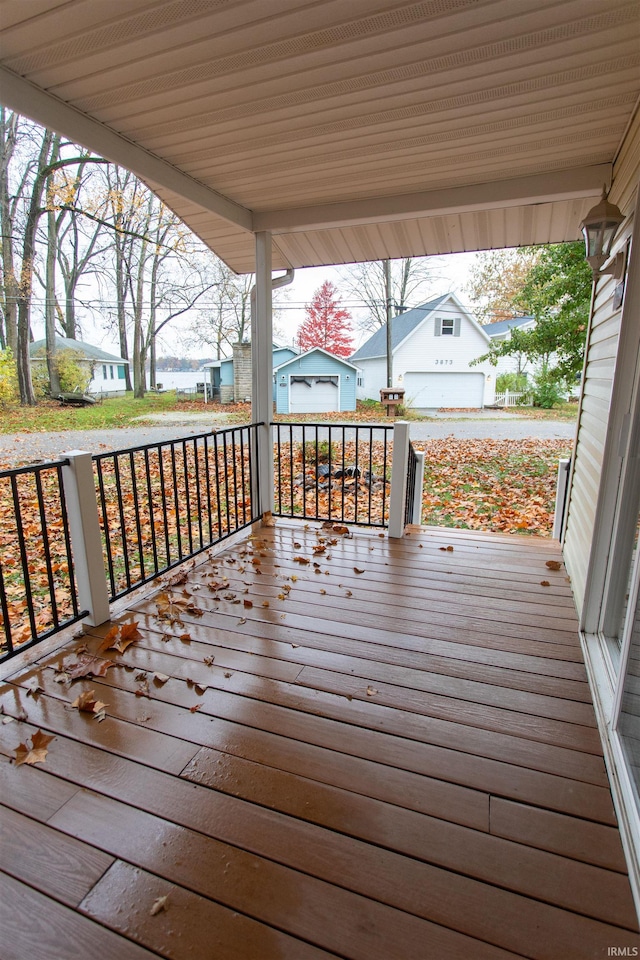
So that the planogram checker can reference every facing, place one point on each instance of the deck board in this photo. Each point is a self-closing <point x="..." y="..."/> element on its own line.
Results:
<point x="397" y="763"/>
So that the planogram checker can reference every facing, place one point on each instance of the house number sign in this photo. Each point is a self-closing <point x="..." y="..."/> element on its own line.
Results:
<point x="440" y="363"/>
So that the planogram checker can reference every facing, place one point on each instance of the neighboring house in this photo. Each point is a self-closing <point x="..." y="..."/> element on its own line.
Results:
<point x="107" y="370"/>
<point x="432" y="345"/>
<point x="500" y="331"/>
<point x="229" y="379"/>
<point x="315" y="382"/>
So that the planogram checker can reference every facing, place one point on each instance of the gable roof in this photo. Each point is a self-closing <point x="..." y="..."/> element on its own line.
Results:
<point x="503" y="326"/>
<point x="404" y="324"/>
<point x="90" y="352"/>
<point x="327" y="353"/>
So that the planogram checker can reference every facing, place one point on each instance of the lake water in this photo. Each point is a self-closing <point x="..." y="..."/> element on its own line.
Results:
<point x="172" y="380"/>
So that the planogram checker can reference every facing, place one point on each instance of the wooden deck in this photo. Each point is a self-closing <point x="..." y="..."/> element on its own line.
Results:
<point x="379" y="751"/>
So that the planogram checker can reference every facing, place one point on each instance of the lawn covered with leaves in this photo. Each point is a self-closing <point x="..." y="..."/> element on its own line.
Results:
<point x="506" y="486"/>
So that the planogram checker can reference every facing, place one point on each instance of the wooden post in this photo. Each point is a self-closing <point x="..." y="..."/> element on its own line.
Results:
<point x="399" y="464"/>
<point x="86" y="541"/>
<point x="262" y="373"/>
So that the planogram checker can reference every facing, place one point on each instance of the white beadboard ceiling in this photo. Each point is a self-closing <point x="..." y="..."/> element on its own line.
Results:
<point x="350" y="129"/>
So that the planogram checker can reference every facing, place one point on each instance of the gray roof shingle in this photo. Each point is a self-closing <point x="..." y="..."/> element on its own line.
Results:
<point x="401" y="326"/>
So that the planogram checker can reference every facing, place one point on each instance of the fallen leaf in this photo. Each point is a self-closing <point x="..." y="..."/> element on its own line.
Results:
<point x="322" y="591"/>
<point x="61" y="677"/>
<point x="130" y="632"/>
<point x="348" y="593"/>
<point x="553" y="565"/>
<point x="265" y="603"/>
<point x="37" y="752"/>
<point x="162" y="903"/>
<point x="545" y="583"/>
<point x="160" y="679"/>
<point x="241" y="621"/>
<point x="302" y="560"/>
<point x="185" y="637"/>
<point x="340" y="529"/>
<point x="371" y="691"/>
<point x="248" y="604"/>
<point x="199" y="689"/>
<point x="195" y="707"/>
<point x="88" y="666"/>
<point x="227" y="674"/>
<point x="357" y="570"/>
<point x="447" y="549"/>
<point x="34" y="691"/>
<point x="208" y="660"/>
<point x="87" y="703"/>
<point x="8" y="720"/>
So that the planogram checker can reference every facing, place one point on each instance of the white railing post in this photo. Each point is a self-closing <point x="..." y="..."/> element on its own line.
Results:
<point x="86" y="542"/>
<point x="399" y="464"/>
<point x="416" y="514"/>
<point x="561" y="497"/>
<point x="506" y="398"/>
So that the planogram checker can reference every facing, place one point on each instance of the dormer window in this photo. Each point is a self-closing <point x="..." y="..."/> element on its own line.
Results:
<point x="447" y="326"/>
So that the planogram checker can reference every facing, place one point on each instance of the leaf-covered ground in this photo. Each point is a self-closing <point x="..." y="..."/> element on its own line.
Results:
<point x="494" y="485"/>
<point x="506" y="486"/>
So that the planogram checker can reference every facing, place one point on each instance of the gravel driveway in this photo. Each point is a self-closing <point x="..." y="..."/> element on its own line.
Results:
<point x="33" y="447"/>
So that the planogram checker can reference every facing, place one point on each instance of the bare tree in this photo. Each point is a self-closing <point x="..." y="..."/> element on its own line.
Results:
<point x="410" y="278"/>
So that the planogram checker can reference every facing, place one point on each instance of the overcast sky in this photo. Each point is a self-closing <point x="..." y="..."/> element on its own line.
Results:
<point x="453" y="271"/>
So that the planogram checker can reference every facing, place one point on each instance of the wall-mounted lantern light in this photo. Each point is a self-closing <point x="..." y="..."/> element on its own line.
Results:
<point x="599" y="228"/>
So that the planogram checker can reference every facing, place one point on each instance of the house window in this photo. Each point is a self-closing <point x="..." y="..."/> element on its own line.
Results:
<point x="447" y="327"/>
<point x="121" y="375"/>
<point x="104" y="371"/>
<point x="111" y="370"/>
<point x="360" y="380"/>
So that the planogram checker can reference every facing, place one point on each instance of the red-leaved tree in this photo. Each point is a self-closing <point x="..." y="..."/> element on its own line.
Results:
<point x="327" y="325"/>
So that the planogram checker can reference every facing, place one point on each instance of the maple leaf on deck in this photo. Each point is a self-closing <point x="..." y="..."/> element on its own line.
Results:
<point x="37" y="752"/>
<point x="120" y="637"/>
<point x="87" y="703"/>
<point x="553" y="565"/>
<point x="88" y="666"/>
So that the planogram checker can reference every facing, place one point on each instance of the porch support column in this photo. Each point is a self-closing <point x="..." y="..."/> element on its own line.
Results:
<point x="262" y="372"/>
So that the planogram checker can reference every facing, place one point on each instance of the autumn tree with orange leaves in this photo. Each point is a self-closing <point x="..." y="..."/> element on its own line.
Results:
<point x="328" y="325"/>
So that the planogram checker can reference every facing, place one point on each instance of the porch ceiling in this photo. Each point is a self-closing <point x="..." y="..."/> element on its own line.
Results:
<point x="353" y="131"/>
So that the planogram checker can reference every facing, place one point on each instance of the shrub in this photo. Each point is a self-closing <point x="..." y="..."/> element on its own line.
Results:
<point x="321" y="450"/>
<point x="74" y="373"/>
<point x="546" y="391"/>
<point x="516" y="382"/>
<point x="8" y="378"/>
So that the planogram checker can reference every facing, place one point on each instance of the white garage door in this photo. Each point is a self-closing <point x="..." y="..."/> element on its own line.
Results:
<point x="444" y="389"/>
<point x="314" y="394"/>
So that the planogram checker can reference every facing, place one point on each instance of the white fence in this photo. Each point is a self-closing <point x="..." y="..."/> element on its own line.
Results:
<point x="510" y="398"/>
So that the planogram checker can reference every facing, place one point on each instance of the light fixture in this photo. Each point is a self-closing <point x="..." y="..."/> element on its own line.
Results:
<point x="599" y="228"/>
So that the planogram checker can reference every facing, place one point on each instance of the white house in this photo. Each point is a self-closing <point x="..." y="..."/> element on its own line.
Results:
<point x="502" y="330"/>
<point x="107" y="370"/>
<point x="432" y="345"/>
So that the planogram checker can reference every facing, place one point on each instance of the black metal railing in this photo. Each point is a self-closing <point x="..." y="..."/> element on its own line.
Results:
<point x="412" y="465"/>
<point x="38" y="592"/>
<point x="337" y="472"/>
<point x="162" y="503"/>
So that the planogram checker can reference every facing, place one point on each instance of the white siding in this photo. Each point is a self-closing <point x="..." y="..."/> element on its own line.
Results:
<point x="374" y="375"/>
<point x="592" y="456"/>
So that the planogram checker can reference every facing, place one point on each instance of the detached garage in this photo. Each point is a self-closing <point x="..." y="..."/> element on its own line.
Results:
<point x="435" y="390"/>
<point x="315" y="382"/>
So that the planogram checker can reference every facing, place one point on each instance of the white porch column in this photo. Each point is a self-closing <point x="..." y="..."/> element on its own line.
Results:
<point x="262" y="370"/>
<point x="84" y="527"/>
